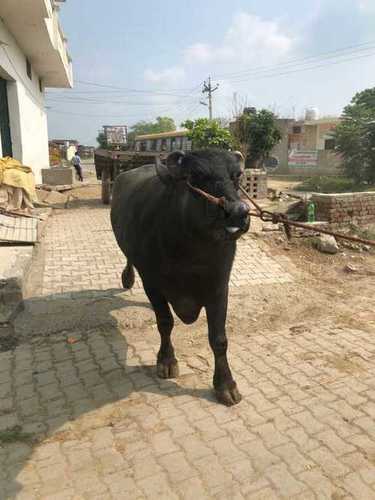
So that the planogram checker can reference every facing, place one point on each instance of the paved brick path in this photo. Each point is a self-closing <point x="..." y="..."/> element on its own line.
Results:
<point x="81" y="253"/>
<point x="108" y="428"/>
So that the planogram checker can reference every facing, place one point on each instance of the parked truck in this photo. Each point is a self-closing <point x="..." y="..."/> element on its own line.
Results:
<point x="109" y="164"/>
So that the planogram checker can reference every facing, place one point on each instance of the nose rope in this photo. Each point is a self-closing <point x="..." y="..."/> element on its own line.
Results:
<point x="220" y="202"/>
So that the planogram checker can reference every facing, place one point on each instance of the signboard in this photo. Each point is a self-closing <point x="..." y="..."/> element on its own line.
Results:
<point x="301" y="159"/>
<point x="116" y="134"/>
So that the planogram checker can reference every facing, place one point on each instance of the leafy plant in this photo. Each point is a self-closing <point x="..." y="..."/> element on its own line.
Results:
<point x="256" y="133"/>
<point x="102" y="140"/>
<point x="161" y="124"/>
<point x="322" y="184"/>
<point x="14" y="434"/>
<point x="355" y="137"/>
<point x="205" y="133"/>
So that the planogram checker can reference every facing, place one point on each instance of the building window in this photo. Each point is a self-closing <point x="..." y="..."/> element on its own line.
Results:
<point x="28" y="69"/>
<point x="297" y="130"/>
<point x="329" y="144"/>
<point x="40" y="85"/>
<point x="153" y="145"/>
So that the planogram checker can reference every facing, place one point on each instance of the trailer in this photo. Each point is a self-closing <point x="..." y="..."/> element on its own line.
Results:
<point x="109" y="164"/>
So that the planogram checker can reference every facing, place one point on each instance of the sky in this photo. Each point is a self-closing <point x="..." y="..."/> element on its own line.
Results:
<point x="142" y="59"/>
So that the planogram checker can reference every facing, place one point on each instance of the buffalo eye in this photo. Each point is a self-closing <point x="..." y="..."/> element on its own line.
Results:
<point x="236" y="177"/>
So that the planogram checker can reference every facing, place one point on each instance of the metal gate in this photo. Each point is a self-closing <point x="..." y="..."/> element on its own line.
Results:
<point x="6" y="140"/>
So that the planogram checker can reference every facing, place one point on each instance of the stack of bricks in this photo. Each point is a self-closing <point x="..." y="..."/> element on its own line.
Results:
<point x="255" y="182"/>
<point x="345" y="208"/>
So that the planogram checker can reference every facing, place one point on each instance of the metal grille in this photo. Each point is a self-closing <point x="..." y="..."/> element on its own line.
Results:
<point x="18" y="229"/>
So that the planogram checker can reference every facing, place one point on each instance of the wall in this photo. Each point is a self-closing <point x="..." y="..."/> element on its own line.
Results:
<point x="324" y="132"/>
<point x="280" y="151"/>
<point x="310" y="137"/>
<point x="28" y="122"/>
<point x="345" y="208"/>
<point x="255" y="182"/>
<point x="328" y="164"/>
<point x="70" y="152"/>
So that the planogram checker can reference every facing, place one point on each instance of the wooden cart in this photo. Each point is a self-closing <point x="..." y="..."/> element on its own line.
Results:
<point x="109" y="164"/>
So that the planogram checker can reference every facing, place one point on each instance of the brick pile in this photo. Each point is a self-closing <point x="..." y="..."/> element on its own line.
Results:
<point x="255" y="182"/>
<point x="345" y="208"/>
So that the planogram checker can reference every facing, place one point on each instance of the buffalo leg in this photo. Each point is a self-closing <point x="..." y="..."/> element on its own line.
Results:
<point x="128" y="276"/>
<point x="224" y="385"/>
<point x="167" y="366"/>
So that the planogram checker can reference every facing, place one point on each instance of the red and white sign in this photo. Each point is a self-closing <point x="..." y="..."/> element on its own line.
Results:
<point x="303" y="158"/>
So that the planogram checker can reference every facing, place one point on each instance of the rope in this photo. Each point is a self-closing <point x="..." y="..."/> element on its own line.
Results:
<point x="278" y="218"/>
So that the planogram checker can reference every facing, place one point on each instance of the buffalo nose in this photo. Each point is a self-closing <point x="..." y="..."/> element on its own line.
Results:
<point x="241" y="209"/>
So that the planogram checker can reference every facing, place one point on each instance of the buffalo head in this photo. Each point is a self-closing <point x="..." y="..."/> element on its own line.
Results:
<point x="216" y="173"/>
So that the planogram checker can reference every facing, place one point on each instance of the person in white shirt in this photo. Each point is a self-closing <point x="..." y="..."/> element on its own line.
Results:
<point x="76" y="162"/>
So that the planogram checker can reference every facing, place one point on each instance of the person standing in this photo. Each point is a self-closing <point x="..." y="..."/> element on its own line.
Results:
<point x="76" y="161"/>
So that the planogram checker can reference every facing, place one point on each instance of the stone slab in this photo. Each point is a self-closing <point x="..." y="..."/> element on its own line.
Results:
<point x="18" y="229"/>
<point x="57" y="176"/>
<point x="15" y="263"/>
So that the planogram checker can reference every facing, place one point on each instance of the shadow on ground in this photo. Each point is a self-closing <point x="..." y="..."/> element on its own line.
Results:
<point x="73" y="370"/>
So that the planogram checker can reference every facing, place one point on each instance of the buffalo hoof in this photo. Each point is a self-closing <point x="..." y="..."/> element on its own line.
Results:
<point x="228" y="396"/>
<point x="128" y="277"/>
<point x="167" y="369"/>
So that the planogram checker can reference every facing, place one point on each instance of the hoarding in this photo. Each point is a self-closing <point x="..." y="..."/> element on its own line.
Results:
<point x="302" y="159"/>
<point x="116" y="134"/>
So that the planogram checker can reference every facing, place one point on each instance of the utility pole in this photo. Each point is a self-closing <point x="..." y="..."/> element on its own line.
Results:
<point x="208" y="89"/>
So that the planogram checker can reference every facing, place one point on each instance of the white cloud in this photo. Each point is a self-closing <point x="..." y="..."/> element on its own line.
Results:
<point x="367" y="6"/>
<point x="169" y="76"/>
<point x="248" y="40"/>
<point x="252" y="39"/>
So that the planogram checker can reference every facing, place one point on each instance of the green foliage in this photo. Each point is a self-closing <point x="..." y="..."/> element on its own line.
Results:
<point x="205" y="133"/>
<point x="14" y="435"/>
<point x="367" y="233"/>
<point x="256" y="134"/>
<point x="102" y="140"/>
<point x="355" y="137"/>
<point x="321" y="184"/>
<point x="162" y="124"/>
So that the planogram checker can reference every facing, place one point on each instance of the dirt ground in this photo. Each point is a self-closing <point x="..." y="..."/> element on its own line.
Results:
<point x="282" y="185"/>
<point x="83" y="415"/>
<point x="328" y="288"/>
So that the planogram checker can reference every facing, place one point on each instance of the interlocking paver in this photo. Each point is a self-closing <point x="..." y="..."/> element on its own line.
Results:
<point x="74" y="261"/>
<point x="104" y="426"/>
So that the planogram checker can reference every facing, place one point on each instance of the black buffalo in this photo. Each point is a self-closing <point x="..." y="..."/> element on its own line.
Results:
<point x="183" y="246"/>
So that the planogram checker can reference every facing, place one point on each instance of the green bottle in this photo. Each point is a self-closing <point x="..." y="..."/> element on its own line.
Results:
<point x="311" y="212"/>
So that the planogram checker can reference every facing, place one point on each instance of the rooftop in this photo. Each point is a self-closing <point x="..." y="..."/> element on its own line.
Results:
<point x="162" y="135"/>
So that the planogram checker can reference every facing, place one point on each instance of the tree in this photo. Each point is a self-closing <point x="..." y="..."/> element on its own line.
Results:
<point x="102" y="140"/>
<point x="205" y="133"/>
<point x="355" y="137"/>
<point x="255" y="134"/>
<point x="161" y="124"/>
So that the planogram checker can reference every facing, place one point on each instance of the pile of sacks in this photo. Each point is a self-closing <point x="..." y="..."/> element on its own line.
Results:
<point x="17" y="186"/>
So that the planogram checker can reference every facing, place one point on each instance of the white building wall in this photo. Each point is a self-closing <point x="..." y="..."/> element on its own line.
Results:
<point x="28" y="121"/>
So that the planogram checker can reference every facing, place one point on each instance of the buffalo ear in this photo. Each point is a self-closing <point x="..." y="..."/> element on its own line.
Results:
<point x="163" y="172"/>
<point x="173" y="170"/>
<point x="174" y="163"/>
<point x="240" y="158"/>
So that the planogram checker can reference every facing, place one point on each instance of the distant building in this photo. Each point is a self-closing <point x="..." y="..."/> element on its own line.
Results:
<point x="68" y="147"/>
<point x="165" y="141"/>
<point x="307" y="147"/>
<point x="33" y="56"/>
<point x="86" y="151"/>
